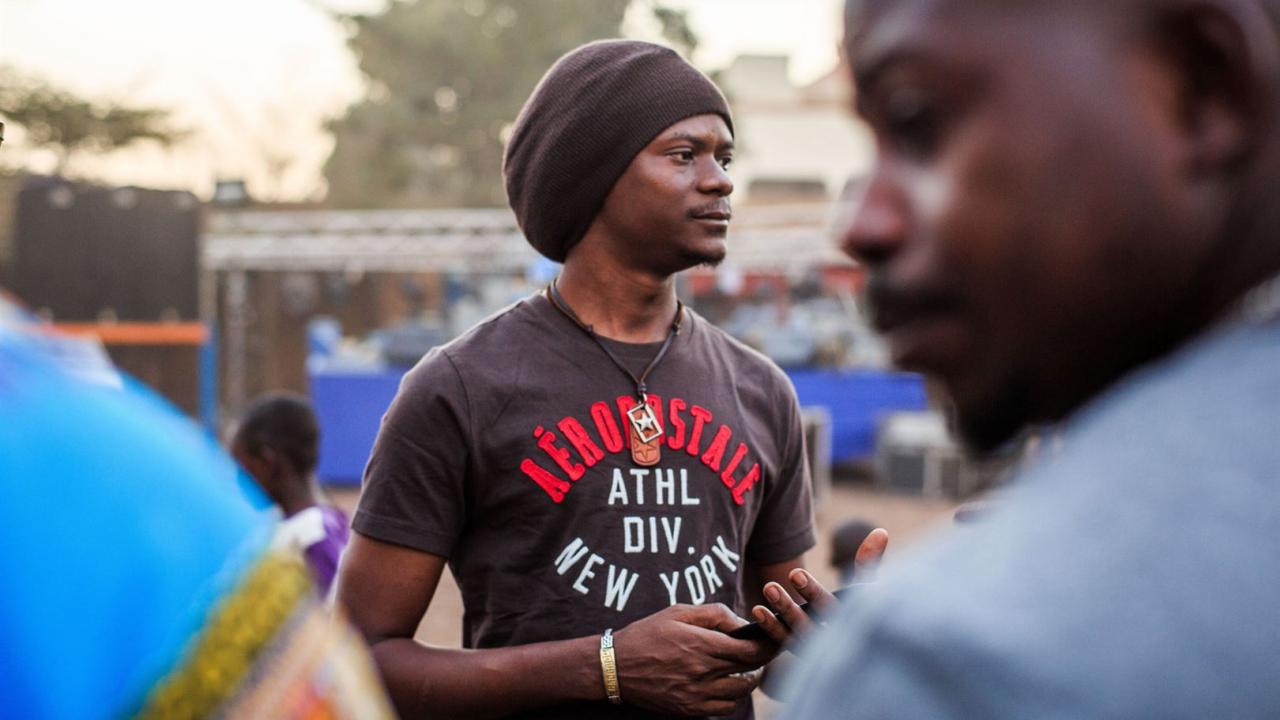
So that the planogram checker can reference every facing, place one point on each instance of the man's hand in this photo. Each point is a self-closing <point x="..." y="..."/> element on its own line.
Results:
<point x="794" y="620"/>
<point x="680" y="661"/>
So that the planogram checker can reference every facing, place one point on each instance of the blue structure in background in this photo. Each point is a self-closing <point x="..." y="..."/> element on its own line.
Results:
<point x="350" y="405"/>
<point x="857" y="401"/>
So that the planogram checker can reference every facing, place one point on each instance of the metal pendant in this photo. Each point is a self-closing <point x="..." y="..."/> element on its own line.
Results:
<point x="646" y="435"/>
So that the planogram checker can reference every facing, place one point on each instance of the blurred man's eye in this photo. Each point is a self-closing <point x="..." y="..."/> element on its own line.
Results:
<point x="910" y="122"/>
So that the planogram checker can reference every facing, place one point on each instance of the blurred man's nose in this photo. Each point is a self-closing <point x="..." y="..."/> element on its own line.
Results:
<point x="879" y="223"/>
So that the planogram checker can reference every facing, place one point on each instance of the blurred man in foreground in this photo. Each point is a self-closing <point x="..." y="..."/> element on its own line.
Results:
<point x="1073" y="220"/>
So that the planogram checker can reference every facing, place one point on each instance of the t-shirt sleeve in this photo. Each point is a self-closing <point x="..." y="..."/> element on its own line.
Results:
<point x="784" y="527"/>
<point x="413" y="489"/>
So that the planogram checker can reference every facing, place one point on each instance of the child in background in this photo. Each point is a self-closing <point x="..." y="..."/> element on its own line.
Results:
<point x="277" y="443"/>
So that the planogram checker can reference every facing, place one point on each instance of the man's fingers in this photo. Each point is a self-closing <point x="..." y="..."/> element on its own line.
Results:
<point x="770" y="624"/>
<point x="787" y="608"/>
<point x="810" y="589"/>
<point x="735" y="685"/>
<point x="733" y="654"/>
<point x="712" y="617"/>
<point x="871" y="549"/>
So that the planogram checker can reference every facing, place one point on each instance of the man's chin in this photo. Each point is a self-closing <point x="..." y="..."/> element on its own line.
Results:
<point x="986" y="427"/>
<point x="703" y="258"/>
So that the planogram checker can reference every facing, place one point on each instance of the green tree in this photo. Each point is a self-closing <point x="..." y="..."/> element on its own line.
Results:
<point x="446" y="78"/>
<point x="69" y="125"/>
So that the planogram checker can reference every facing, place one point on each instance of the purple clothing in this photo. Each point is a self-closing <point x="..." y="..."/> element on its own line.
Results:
<point x="319" y="533"/>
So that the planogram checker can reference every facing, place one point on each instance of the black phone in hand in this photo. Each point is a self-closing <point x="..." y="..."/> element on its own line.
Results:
<point x="753" y="631"/>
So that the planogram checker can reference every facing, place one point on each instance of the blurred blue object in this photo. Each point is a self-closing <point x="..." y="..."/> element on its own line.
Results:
<point x="124" y="525"/>
<point x="350" y="406"/>
<point x="858" y="400"/>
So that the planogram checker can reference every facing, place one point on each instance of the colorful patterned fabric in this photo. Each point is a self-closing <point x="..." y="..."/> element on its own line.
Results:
<point x="135" y="565"/>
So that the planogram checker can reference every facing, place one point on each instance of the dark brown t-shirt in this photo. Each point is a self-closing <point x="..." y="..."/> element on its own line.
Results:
<point x="507" y="452"/>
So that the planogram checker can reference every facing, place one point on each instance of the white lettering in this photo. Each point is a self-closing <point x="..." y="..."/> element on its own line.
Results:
<point x="571" y="554"/>
<point x="709" y="571"/>
<point x="672" y="533"/>
<point x="587" y="573"/>
<point x="619" y="489"/>
<point x="693" y="578"/>
<point x="639" y="474"/>
<point x="671" y="584"/>
<point x="684" y="490"/>
<point x="666" y="487"/>
<point x="619" y="589"/>
<point x="727" y="556"/>
<point x="632" y="535"/>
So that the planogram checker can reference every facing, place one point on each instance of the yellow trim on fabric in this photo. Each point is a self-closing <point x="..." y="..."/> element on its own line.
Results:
<point x="224" y="652"/>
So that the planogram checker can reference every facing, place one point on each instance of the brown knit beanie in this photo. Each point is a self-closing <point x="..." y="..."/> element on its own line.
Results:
<point x="593" y="111"/>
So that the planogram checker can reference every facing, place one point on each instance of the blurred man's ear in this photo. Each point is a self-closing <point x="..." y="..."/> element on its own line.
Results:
<point x="1224" y="58"/>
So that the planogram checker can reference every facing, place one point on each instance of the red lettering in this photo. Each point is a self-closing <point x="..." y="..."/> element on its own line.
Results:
<point x="605" y="425"/>
<point x="655" y="402"/>
<point x="560" y="455"/>
<point x="675" y="438"/>
<point x="753" y="475"/>
<point x="625" y="403"/>
<point x="554" y="486"/>
<point x="726" y="477"/>
<point x="580" y="440"/>
<point x="701" y="416"/>
<point x="715" y="453"/>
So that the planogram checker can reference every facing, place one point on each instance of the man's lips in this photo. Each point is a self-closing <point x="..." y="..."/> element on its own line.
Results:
<point x="924" y="331"/>
<point x="717" y="212"/>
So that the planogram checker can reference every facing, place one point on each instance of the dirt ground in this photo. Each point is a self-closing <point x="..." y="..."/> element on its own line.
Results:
<point x="905" y="517"/>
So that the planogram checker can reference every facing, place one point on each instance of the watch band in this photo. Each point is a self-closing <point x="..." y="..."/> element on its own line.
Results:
<point x="610" y="667"/>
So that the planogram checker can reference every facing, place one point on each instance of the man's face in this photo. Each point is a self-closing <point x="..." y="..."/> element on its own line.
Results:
<point x="1028" y="226"/>
<point x="670" y="210"/>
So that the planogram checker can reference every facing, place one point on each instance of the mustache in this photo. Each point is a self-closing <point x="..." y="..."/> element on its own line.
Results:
<point x="891" y="302"/>
<point x="715" y="206"/>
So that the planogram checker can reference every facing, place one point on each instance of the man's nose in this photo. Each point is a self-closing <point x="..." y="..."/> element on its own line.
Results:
<point x="715" y="180"/>
<point x="879" y="223"/>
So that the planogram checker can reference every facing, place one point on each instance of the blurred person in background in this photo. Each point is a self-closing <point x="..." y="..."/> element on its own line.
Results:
<point x="1073" y="221"/>
<point x="277" y="443"/>
<point x="595" y="457"/>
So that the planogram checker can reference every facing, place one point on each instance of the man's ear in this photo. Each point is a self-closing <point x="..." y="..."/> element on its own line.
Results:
<point x="1224" y="57"/>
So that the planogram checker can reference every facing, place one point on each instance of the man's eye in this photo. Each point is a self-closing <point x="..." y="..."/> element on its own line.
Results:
<point x="725" y="162"/>
<point x="911" y="122"/>
<point x="683" y="155"/>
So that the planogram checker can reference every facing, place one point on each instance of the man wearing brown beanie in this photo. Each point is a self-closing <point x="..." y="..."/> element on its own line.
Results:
<point x="602" y="470"/>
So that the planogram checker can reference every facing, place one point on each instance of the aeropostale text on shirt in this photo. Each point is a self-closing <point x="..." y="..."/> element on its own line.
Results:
<point x="581" y="443"/>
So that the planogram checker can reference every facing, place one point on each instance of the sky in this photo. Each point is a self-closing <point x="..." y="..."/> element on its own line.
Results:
<point x="253" y="81"/>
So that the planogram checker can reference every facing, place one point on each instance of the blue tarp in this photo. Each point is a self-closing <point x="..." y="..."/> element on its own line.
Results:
<point x="350" y="406"/>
